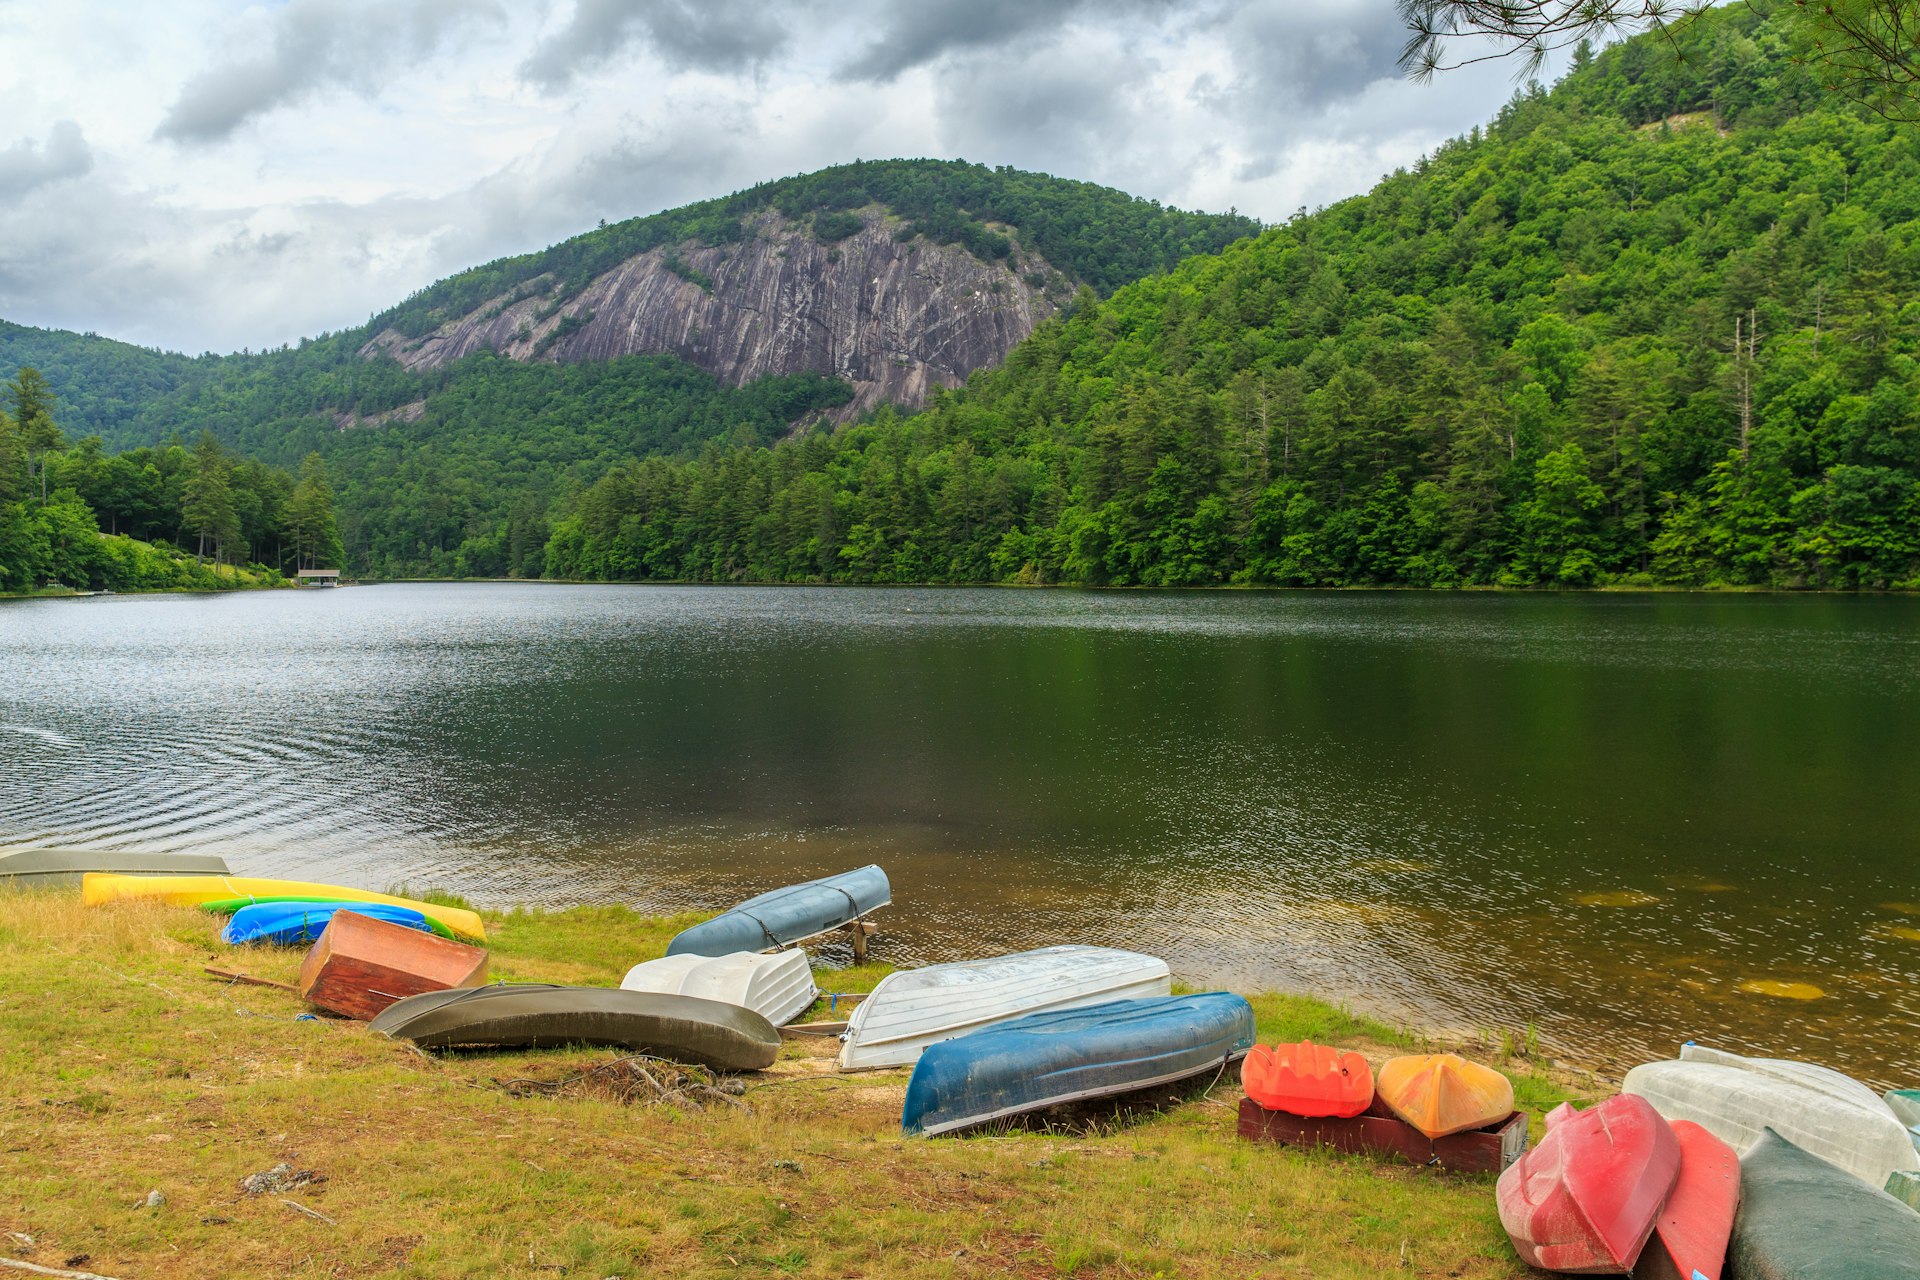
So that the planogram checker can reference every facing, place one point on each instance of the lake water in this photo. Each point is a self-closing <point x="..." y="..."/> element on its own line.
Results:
<point x="1606" y="816"/>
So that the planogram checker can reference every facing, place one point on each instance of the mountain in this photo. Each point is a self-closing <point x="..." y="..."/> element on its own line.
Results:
<point x="897" y="276"/>
<point x="456" y="419"/>
<point x="1654" y="326"/>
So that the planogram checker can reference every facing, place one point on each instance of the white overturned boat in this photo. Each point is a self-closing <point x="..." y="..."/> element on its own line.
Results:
<point x="911" y="1010"/>
<point x="63" y="868"/>
<point x="1817" y="1109"/>
<point x="778" y="987"/>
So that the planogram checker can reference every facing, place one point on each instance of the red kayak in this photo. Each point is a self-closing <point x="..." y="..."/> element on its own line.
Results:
<point x="1307" y="1079"/>
<point x="1585" y="1200"/>
<point x="1690" y="1236"/>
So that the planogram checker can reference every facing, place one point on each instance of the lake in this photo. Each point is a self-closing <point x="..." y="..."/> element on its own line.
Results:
<point x="1619" y="819"/>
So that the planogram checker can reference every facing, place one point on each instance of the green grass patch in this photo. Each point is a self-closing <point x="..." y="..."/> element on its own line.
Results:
<point x="125" y="1069"/>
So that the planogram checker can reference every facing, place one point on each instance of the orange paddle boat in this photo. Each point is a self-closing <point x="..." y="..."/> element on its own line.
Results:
<point x="1307" y="1079"/>
<point x="1443" y="1093"/>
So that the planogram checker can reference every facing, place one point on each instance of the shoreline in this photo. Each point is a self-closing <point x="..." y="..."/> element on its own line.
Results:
<point x="130" y="1070"/>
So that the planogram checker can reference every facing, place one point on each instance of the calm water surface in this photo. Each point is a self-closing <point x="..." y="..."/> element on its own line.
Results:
<point x="1601" y="815"/>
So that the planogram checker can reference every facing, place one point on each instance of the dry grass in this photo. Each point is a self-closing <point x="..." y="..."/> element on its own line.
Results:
<point x="124" y="1069"/>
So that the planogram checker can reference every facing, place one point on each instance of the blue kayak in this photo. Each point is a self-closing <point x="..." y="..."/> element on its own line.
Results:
<point x="785" y="916"/>
<point x="296" y="924"/>
<point x="1074" y="1055"/>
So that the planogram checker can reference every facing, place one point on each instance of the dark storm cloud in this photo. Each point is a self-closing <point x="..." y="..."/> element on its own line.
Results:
<point x="922" y="31"/>
<point x="1313" y="58"/>
<point x="314" y="45"/>
<point x="28" y="164"/>
<point x="706" y="35"/>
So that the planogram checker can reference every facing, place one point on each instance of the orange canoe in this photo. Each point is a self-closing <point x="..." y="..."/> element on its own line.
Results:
<point x="1307" y="1079"/>
<point x="1443" y="1093"/>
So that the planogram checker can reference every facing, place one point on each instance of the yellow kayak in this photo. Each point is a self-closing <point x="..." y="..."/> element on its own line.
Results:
<point x="190" y="891"/>
<point x="1443" y="1093"/>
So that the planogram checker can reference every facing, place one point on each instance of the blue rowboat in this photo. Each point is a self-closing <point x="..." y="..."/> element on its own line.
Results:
<point x="1074" y="1055"/>
<point x="298" y="924"/>
<point x="785" y="916"/>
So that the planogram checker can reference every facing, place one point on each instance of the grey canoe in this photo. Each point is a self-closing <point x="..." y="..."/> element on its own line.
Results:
<point x="62" y="868"/>
<point x="783" y="917"/>
<point x="538" y="1016"/>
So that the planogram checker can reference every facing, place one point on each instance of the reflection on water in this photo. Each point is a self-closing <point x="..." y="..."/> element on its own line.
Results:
<point x="1629" y="820"/>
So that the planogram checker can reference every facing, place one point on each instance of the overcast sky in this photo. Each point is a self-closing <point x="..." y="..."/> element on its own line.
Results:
<point x="211" y="175"/>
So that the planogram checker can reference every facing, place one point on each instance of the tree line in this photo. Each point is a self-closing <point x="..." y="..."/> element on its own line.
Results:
<point x="74" y="515"/>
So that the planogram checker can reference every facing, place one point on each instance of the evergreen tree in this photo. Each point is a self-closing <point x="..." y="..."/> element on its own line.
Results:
<point x="33" y="417"/>
<point x="310" y="515"/>
<point x="206" y="506"/>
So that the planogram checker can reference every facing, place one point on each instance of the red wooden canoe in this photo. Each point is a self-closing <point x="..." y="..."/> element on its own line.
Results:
<point x="1690" y="1235"/>
<point x="1307" y="1079"/>
<point x="1586" y="1198"/>
<point x="361" y="965"/>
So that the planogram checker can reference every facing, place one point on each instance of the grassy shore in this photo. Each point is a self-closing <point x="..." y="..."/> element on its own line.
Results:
<point x="124" y="1069"/>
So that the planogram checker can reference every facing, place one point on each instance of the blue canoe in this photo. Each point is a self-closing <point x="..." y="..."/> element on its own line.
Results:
<point x="1074" y="1055"/>
<point x="296" y="924"/>
<point x="785" y="916"/>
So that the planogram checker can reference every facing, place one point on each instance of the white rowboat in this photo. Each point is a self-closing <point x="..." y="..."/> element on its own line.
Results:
<point x="911" y="1010"/>
<point x="778" y="987"/>
<point x="1818" y="1113"/>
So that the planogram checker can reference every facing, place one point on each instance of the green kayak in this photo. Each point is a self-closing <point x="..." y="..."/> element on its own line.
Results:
<point x="1801" y="1218"/>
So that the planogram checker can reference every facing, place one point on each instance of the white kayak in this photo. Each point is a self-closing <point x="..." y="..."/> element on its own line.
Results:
<point x="909" y="1011"/>
<point x="1811" y="1107"/>
<point x="778" y="987"/>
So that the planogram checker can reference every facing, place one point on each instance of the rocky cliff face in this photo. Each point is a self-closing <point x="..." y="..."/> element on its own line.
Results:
<point x="894" y="319"/>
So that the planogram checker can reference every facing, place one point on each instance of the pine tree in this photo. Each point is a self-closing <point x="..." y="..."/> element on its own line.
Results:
<point x="33" y="417"/>
<point x="316" y="534"/>
<point x="206" y="504"/>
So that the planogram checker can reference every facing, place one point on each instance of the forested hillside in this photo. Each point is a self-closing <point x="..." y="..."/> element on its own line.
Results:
<point x="454" y="468"/>
<point x="1655" y="326"/>
<point x="72" y="515"/>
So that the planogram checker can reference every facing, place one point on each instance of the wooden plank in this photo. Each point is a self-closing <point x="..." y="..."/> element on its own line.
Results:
<point x="1378" y="1132"/>
<point x="230" y="976"/>
<point x="813" y="1029"/>
<point x="858" y="930"/>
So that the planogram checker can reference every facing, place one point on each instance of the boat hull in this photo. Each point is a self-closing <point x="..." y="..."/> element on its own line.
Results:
<point x="1801" y="1218"/>
<point x="65" y="868"/>
<point x="361" y="965"/>
<point x="1443" y="1093"/>
<point x="1073" y="1055"/>
<point x="193" y="891"/>
<point x="1584" y="1201"/>
<point x="1308" y="1079"/>
<point x="1737" y="1106"/>
<point x="785" y="916"/>
<point x="911" y="1010"/>
<point x="778" y="987"/>
<point x="1690" y="1235"/>
<point x="536" y="1016"/>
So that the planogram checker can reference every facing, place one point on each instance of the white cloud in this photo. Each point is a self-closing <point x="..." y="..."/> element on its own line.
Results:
<point x="224" y="175"/>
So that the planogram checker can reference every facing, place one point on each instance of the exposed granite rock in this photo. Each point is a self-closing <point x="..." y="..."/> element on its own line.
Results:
<point x="894" y="319"/>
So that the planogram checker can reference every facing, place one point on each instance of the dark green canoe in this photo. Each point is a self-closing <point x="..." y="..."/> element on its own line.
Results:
<point x="1801" y="1218"/>
<point x="538" y="1016"/>
<point x="62" y="868"/>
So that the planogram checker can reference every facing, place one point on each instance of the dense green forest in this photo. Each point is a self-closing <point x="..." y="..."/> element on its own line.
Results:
<point x="73" y="515"/>
<point x="1654" y="326"/>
